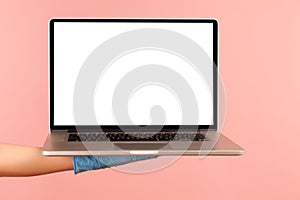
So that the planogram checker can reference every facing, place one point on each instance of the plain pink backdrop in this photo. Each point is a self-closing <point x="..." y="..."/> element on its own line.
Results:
<point x="259" y="62"/>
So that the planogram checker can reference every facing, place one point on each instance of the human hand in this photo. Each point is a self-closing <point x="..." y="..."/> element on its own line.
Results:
<point x="85" y="163"/>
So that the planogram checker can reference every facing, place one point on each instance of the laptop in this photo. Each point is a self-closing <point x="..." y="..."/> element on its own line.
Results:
<point x="135" y="87"/>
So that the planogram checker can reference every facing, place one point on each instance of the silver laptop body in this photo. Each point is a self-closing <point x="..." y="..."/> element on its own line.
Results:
<point x="133" y="58"/>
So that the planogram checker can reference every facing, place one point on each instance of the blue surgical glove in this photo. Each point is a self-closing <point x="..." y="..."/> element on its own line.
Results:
<point x="84" y="163"/>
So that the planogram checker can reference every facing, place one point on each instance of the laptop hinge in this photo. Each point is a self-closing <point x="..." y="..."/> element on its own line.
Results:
<point x="64" y="130"/>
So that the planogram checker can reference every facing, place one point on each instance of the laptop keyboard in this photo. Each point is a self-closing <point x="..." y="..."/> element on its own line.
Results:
<point x="115" y="137"/>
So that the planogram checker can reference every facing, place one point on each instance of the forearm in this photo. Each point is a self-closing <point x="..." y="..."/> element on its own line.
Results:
<point x="18" y="160"/>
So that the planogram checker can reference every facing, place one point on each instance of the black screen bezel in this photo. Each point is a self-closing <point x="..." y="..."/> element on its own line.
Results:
<point x="135" y="128"/>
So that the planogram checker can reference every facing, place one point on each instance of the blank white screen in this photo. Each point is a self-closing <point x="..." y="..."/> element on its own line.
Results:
<point x="73" y="42"/>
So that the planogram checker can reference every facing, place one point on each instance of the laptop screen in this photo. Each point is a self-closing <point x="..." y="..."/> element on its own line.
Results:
<point x="132" y="72"/>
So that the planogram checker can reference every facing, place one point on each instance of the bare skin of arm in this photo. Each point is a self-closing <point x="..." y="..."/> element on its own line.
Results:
<point x="18" y="160"/>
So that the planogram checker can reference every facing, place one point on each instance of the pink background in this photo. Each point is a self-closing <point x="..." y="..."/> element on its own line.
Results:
<point x="259" y="61"/>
